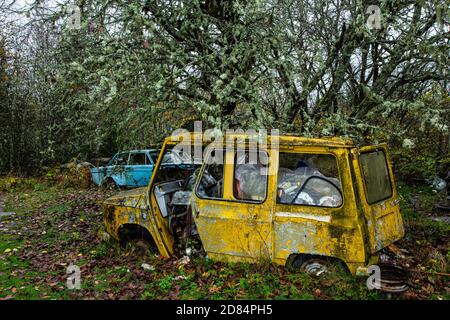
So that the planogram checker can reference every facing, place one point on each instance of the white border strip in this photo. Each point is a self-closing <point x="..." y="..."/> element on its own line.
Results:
<point x="304" y="216"/>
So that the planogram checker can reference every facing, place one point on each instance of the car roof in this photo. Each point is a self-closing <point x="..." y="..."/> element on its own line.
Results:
<point x="287" y="139"/>
<point x="139" y="150"/>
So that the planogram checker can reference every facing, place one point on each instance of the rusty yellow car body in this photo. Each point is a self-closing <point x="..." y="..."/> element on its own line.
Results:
<point x="233" y="230"/>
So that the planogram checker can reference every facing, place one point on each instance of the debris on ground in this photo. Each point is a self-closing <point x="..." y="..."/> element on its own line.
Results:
<point x="33" y="264"/>
<point x="146" y="266"/>
<point x="183" y="261"/>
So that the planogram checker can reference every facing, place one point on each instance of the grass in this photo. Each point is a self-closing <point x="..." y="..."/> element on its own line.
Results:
<point x="56" y="226"/>
<point x="416" y="203"/>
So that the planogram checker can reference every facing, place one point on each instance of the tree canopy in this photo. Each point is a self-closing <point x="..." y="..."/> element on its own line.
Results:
<point x="134" y="71"/>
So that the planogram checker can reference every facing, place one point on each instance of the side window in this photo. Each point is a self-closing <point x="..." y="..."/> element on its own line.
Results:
<point x="211" y="182"/>
<point x="138" y="159"/>
<point x="376" y="176"/>
<point x="250" y="175"/>
<point x="308" y="179"/>
<point x="121" y="159"/>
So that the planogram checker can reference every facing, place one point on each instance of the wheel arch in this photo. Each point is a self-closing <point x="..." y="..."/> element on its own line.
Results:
<point x="132" y="231"/>
<point x="307" y="256"/>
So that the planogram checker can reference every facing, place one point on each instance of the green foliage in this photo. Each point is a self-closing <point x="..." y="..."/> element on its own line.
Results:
<point x="137" y="70"/>
<point x="415" y="167"/>
<point x="72" y="174"/>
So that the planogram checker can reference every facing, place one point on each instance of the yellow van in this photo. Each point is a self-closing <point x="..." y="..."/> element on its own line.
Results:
<point x="304" y="202"/>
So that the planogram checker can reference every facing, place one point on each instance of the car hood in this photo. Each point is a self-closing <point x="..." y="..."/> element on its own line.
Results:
<point x="131" y="198"/>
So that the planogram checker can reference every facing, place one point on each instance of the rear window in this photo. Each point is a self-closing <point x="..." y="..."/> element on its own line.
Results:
<point x="376" y="176"/>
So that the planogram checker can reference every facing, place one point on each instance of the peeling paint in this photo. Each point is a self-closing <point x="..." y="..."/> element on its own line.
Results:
<point x="304" y="216"/>
<point x="239" y="231"/>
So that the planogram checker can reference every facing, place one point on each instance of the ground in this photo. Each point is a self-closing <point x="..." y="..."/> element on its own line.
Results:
<point x="56" y="225"/>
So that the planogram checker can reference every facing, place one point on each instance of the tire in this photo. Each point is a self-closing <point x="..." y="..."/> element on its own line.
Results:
<point x="139" y="248"/>
<point x="317" y="265"/>
<point x="110" y="184"/>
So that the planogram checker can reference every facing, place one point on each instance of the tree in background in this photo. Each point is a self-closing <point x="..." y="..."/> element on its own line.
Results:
<point x="134" y="71"/>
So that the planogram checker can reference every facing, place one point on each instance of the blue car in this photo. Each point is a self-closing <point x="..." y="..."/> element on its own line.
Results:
<point x="132" y="168"/>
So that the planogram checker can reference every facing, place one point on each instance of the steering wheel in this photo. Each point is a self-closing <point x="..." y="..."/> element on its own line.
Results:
<point x="306" y="182"/>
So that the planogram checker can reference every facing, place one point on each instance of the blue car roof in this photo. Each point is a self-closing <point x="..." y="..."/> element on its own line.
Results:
<point x="139" y="150"/>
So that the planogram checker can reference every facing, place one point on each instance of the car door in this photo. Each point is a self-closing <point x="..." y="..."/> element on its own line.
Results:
<point x="232" y="206"/>
<point x="315" y="210"/>
<point x="379" y="197"/>
<point x="164" y="238"/>
<point x="116" y="168"/>
<point x="138" y="170"/>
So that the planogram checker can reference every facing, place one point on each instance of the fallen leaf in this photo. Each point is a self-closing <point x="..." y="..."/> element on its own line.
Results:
<point x="213" y="289"/>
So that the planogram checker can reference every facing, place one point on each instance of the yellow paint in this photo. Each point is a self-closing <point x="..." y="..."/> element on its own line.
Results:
<point x="233" y="230"/>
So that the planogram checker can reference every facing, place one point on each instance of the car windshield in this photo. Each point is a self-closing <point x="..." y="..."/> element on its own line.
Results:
<point x="174" y="166"/>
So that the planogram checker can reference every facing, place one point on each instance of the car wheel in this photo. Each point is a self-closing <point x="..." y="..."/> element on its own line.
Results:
<point x="318" y="265"/>
<point x="110" y="184"/>
<point x="311" y="265"/>
<point x="139" y="248"/>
